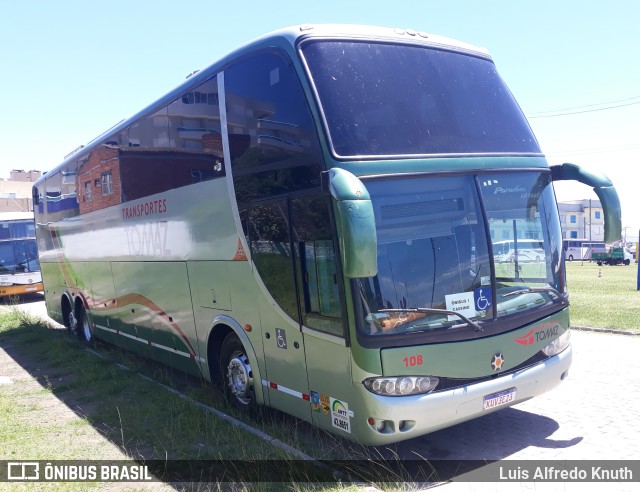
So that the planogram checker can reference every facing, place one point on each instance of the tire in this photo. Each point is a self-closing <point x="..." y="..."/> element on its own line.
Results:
<point x="627" y="262"/>
<point x="85" y="330"/>
<point x="236" y="374"/>
<point x="570" y="257"/>
<point x="70" y="320"/>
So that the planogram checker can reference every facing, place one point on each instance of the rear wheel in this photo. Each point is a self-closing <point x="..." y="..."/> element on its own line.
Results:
<point x="236" y="373"/>
<point x="570" y="257"/>
<point x="70" y="319"/>
<point x="85" y="331"/>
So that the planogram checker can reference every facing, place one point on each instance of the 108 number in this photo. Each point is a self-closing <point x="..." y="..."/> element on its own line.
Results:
<point x="414" y="360"/>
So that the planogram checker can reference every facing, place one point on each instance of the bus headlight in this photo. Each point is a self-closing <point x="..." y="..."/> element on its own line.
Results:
<point x="401" y="385"/>
<point x="558" y="345"/>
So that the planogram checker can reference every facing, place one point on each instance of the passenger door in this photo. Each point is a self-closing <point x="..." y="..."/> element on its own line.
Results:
<point x="273" y="259"/>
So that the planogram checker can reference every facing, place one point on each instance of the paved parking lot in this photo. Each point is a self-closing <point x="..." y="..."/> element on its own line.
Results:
<point x="592" y="415"/>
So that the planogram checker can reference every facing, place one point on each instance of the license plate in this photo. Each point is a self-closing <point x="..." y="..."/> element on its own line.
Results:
<point x="498" y="399"/>
<point x="29" y="289"/>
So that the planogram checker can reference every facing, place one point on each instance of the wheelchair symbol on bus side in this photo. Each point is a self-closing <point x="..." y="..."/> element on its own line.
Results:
<point x="281" y="338"/>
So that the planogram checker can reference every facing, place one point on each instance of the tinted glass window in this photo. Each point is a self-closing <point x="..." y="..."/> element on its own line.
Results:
<point x="272" y="138"/>
<point x="270" y="245"/>
<point x="317" y="265"/>
<point x="390" y="99"/>
<point x="178" y="145"/>
<point x="61" y="199"/>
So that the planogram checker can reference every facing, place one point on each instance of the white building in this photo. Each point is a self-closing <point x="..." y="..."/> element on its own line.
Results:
<point x="582" y="219"/>
<point x="15" y="192"/>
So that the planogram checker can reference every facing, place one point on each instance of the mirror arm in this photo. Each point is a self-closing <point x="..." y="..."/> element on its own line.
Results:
<point x="603" y="188"/>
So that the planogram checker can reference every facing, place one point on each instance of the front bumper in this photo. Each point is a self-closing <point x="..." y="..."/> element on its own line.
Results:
<point x="413" y="416"/>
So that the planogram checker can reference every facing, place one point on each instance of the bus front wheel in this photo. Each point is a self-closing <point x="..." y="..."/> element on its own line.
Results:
<point x="570" y="257"/>
<point x="237" y="376"/>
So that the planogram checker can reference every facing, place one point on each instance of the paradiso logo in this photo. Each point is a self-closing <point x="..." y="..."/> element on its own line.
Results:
<point x="539" y="333"/>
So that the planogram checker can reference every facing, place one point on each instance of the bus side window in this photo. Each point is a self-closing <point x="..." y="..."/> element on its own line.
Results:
<point x="270" y="246"/>
<point x="273" y="142"/>
<point x="316" y="260"/>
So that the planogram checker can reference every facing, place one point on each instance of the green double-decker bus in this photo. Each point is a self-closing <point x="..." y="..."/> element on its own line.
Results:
<point x="311" y="222"/>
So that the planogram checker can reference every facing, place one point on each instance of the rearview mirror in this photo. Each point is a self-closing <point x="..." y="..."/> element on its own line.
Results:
<point x="603" y="187"/>
<point x="355" y="223"/>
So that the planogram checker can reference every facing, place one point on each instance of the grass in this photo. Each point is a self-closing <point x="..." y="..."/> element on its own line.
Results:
<point x="82" y="406"/>
<point x="604" y="297"/>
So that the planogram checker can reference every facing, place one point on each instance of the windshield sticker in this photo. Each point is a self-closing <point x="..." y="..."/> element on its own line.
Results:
<point x="463" y="303"/>
<point x="340" y="415"/>
<point x="482" y="297"/>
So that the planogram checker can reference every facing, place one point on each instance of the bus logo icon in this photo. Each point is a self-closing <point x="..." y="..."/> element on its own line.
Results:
<point x="496" y="362"/>
<point x="527" y="338"/>
<point x="23" y="470"/>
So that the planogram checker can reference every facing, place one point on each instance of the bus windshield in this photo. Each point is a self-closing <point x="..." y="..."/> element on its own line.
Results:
<point x="434" y="251"/>
<point x="382" y="99"/>
<point x="19" y="255"/>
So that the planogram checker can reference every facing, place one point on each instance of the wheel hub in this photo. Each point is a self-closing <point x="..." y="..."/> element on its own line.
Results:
<point x="86" y="328"/>
<point x="240" y="378"/>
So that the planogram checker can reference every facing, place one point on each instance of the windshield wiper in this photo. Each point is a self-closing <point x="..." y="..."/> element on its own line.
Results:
<point x="530" y="290"/>
<point x="473" y="324"/>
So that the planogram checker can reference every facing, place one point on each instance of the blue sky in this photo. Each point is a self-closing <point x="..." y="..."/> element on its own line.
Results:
<point x="71" y="69"/>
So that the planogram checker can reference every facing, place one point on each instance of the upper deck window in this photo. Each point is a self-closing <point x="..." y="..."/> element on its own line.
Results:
<point x="394" y="100"/>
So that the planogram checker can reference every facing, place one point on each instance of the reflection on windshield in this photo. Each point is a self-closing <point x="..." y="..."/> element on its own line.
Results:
<point x="434" y="266"/>
<point x="19" y="256"/>
<point x="526" y="240"/>
<point x="432" y="253"/>
<point x="394" y="99"/>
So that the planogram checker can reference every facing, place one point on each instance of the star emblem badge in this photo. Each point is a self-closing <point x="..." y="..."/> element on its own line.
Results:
<point x="496" y="362"/>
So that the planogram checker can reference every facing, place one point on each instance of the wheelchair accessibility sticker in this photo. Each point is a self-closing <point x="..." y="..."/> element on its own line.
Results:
<point x="482" y="298"/>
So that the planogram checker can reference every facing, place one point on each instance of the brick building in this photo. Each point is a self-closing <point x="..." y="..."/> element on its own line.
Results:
<point x="99" y="184"/>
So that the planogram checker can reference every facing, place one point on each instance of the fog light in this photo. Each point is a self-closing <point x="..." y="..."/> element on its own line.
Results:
<point x="406" y="425"/>
<point x="379" y="425"/>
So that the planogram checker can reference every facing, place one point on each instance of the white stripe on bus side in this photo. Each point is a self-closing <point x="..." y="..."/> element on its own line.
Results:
<point x="152" y="344"/>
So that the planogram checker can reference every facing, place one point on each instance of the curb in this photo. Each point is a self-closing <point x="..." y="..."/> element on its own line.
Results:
<point x="607" y="330"/>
